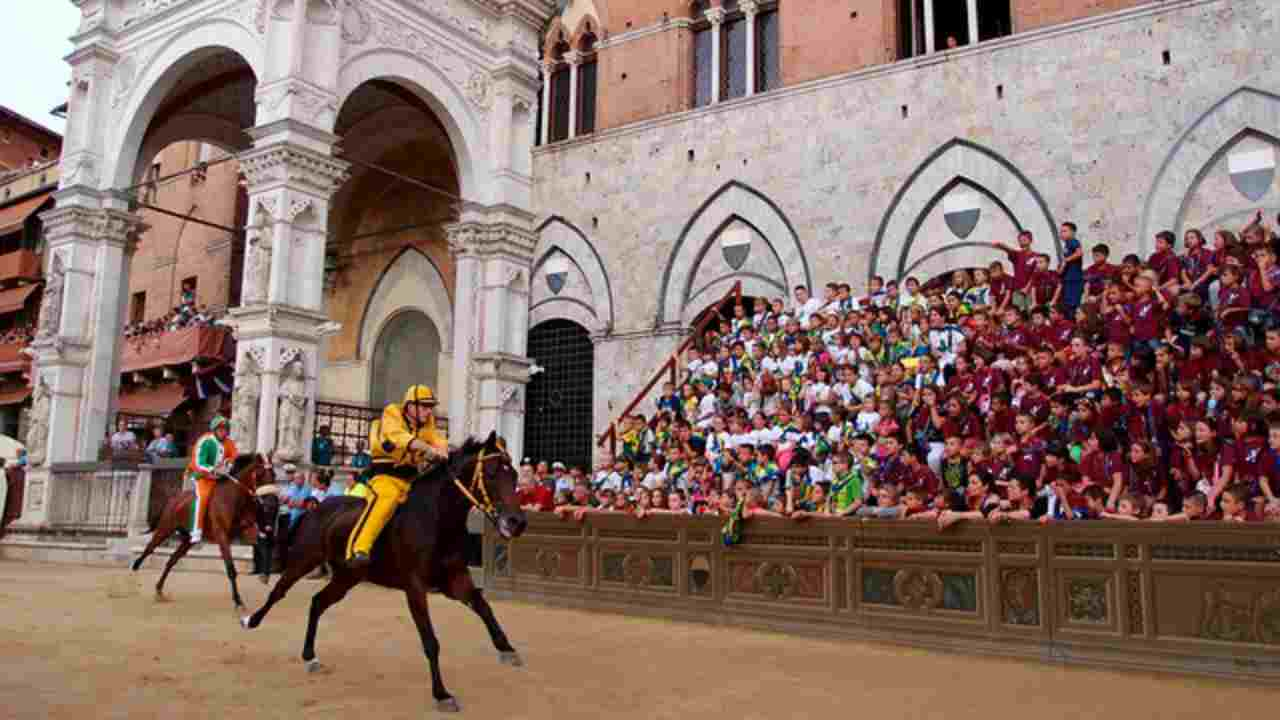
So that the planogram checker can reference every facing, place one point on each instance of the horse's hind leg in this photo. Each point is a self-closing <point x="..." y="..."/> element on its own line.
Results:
<point x="177" y="555"/>
<point x="329" y="596"/>
<point x="158" y="536"/>
<point x="462" y="589"/>
<point x="416" y="594"/>
<point x="225" y="548"/>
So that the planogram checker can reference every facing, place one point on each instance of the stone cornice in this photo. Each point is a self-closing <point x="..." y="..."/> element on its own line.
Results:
<point x="108" y="226"/>
<point x="276" y="321"/>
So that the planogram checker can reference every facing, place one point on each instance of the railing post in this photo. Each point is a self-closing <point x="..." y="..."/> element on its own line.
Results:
<point x="140" y="502"/>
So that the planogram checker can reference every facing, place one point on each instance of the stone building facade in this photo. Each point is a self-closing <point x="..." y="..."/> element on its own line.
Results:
<point x="1126" y="118"/>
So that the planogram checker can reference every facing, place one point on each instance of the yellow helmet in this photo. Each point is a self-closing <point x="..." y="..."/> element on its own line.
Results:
<point x="419" y="394"/>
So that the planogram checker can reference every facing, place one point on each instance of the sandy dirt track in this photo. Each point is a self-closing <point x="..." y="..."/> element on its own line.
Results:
<point x="67" y="650"/>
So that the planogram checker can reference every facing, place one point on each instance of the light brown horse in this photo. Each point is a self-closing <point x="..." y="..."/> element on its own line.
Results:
<point x="234" y="511"/>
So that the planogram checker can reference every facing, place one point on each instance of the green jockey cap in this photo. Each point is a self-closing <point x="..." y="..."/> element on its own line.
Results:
<point x="218" y="421"/>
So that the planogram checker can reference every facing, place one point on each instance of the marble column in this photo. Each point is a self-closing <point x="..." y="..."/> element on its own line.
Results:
<point x="574" y="58"/>
<point x="749" y="9"/>
<point x="930" y="42"/>
<point x="548" y="72"/>
<point x="715" y="16"/>
<point x="971" y="9"/>
<point x="292" y="175"/>
<point x="493" y="249"/>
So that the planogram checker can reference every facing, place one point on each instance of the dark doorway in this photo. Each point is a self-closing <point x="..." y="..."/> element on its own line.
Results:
<point x="558" y="408"/>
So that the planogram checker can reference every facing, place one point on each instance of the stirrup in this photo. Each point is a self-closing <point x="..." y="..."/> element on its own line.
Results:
<point x="358" y="561"/>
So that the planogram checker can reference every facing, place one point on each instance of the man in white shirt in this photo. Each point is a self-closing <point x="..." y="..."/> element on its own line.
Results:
<point x="563" y="482"/>
<point x="806" y="306"/>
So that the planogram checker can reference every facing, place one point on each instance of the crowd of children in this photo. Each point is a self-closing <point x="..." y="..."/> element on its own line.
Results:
<point x="1138" y="391"/>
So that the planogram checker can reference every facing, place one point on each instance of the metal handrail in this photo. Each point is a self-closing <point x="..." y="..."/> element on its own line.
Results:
<point x="667" y="369"/>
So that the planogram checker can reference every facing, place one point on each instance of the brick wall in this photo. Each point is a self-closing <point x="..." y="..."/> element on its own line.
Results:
<point x="201" y="252"/>
<point x="1032" y="14"/>
<point x="20" y="144"/>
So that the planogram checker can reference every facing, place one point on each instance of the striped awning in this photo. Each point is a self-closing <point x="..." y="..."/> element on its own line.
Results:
<point x="14" y="299"/>
<point x="12" y="218"/>
<point x="153" y="400"/>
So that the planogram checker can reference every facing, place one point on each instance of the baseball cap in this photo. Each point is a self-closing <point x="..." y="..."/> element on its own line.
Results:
<point x="290" y="468"/>
<point x="557" y="465"/>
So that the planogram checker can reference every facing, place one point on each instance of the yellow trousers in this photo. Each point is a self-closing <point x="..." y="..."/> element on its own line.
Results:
<point x="384" y="495"/>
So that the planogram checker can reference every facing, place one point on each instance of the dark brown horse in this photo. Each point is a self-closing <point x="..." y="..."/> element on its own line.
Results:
<point x="234" y="511"/>
<point x="421" y="549"/>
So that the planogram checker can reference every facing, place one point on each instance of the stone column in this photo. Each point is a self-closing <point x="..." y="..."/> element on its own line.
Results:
<point x="548" y="69"/>
<point x="715" y="16"/>
<point x="493" y="253"/>
<point x="76" y="351"/>
<point x="971" y="8"/>
<point x="749" y="9"/>
<point x="292" y="176"/>
<point x="574" y="58"/>
<point x="929" y="40"/>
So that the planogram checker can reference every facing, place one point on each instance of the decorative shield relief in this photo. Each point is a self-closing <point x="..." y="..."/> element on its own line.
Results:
<point x="557" y="272"/>
<point x="961" y="211"/>
<point x="735" y="244"/>
<point x="1252" y="172"/>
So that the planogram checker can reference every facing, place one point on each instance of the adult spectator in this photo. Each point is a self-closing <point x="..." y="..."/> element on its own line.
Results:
<point x="161" y="446"/>
<point x="533" y="496"/>
<point x="296" y="493"/>
<point x="361" y="460"/>
<point x="322" y="448"/>
<point x="123" y="438"/>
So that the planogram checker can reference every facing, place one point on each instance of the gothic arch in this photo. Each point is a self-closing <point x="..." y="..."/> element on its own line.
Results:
<point x="558" y="234"/>
<point x="906" y="263"/>
<point x="985" y="169"/>
<point x="159" y="75"/>
<point x="411" y="281"/>
<point x="466" y="131"/>
<point x="733" y="201"/>
<point x="1198" y="148"/>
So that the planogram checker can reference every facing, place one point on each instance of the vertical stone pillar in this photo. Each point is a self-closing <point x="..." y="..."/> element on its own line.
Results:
<point x="292" y="176"/>
<point x="749" y="9"/>
<point x="930" y="42"/>
<point x="574" y="58"/>
<point x="971" y="9"/>
<point x="548" y="70"/>
<point x="493" y="253"/>
<point x="715" y="16"/>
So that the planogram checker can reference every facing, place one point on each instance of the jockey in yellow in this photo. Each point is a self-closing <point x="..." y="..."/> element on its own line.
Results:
<point x="402" y="442"/>
<point x="211" y="455"/>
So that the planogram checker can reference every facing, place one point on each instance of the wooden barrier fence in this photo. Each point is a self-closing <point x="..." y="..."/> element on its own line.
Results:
<point x="1201" y="599"/>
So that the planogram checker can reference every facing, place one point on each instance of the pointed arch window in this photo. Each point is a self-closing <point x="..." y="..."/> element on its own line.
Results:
<point x="588" y="78"/>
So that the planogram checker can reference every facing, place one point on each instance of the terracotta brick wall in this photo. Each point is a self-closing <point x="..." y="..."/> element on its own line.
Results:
<point x="645" y="78"/>
<point x="202" y="252"/>
<point x="828" y="37"/>
<point x="1032" y="14"/>
<point x="20" y="144"/>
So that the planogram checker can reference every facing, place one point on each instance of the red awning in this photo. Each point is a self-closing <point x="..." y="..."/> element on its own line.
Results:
<point x="13" y="217"/>
<point x="13" y="397"/>
<point x="14" y="299"/>
<point x="12" y="359"/>
<point x="155" y="400"/>
<point x="174" y="348"/>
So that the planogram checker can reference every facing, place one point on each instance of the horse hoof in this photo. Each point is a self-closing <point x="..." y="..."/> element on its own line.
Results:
<point x="246" y="622"/>
<point x="448" y="705"/>
<point x="265" y="580"/>
<point x="313" y="665"/>
<point x="162" y="598"/>
<point x="510" y="658"/>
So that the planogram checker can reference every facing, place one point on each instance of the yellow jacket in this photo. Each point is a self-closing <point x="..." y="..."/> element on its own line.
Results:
<point x="389" y="439"/>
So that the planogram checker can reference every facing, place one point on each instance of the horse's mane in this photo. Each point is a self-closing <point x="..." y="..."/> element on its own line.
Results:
<point x="242" y="463"/>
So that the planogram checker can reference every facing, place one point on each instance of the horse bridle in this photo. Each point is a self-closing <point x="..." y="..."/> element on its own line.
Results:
<point x="478" y="493"/>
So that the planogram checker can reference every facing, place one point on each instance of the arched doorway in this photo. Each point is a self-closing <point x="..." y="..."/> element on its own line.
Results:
<point x="558" y="407"/>
<point x="407" y="353"/>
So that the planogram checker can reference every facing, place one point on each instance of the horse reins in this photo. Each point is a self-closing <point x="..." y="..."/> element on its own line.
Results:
<point x="484" y="503"/>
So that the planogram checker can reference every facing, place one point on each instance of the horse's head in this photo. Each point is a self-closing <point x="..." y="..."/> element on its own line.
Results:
<point x="253" y="471"/>
<point x="484" y="470"/>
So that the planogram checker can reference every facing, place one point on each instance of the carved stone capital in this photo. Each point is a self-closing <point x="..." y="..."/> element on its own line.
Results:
<point x="749" y="7"/>
<point x="715" y="15"/>
<point x="471" y="238"/>
<point x="283" y="164"/>
<point x="573" y="58"/>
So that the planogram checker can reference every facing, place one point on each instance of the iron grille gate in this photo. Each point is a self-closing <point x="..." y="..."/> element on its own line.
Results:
<point x="558" y="410"/>
<point x="350" y="423"/>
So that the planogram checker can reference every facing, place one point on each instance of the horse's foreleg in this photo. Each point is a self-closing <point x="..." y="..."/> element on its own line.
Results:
<point x="288" y="578"/>
<point x="417" y="597"/>
<point x="329" y="596"/>
<point x="177" y="555"/>
<point x="158" y="536"/>
<point x="464" y="590"/>
<point x="224" y="547"/>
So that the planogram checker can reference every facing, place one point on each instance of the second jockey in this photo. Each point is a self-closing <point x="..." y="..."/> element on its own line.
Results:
<point x="402" y="442"/>
<point x="211" y="455"/>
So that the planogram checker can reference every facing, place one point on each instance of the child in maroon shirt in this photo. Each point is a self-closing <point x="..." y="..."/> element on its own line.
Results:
<point x="1164" y="262"/>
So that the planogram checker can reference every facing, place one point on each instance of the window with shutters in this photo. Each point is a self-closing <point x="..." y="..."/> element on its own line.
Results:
<point x="560" y="103"/>
<point x="768" y="64"/>
<point x="730" y="54"/>
<point x="702" y="52"/>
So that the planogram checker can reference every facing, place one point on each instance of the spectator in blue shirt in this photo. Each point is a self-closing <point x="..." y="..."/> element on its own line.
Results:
<point x="296" y="494"/>
<point x="361" y="461"/>
<point x="322" y="448"/>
